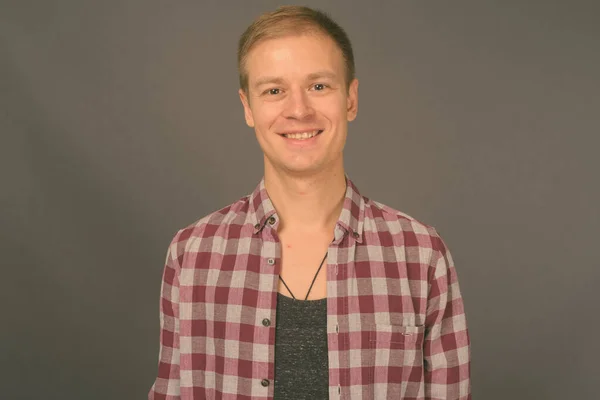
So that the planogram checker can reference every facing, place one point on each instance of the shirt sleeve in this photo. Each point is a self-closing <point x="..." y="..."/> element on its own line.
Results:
<point x="166" y="386"/>
<point x="447" y="353"/>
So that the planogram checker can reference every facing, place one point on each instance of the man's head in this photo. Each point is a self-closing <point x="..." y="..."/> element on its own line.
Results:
<point x="292" y="21"/>
<point x="297" y="75"/>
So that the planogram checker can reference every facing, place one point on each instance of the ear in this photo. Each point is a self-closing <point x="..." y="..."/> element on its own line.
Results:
<point x="247" y="110"/>
<point x="352" y="100"/>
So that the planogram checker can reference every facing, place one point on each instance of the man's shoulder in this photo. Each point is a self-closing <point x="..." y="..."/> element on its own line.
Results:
<point x="216" y="222"/>
<point x="397" y="221"/>
<point x="407" y="229"/>
<point x="393" y="215"/>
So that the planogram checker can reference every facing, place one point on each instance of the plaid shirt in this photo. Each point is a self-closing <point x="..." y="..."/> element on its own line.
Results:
<point x="395" y="318"/>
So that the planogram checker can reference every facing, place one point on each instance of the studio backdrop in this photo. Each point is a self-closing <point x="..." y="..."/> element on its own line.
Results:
<point x="120" y="124"/>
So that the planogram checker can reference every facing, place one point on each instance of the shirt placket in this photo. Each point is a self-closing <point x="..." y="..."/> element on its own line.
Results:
<point x="269" y="270"/>
<point x="337" y="322"/>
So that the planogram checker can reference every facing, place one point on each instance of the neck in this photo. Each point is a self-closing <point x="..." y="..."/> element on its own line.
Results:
<point x="307" y="204"/>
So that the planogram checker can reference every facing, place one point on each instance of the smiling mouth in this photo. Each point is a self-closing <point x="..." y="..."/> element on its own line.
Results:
<point x="302" y="135"/>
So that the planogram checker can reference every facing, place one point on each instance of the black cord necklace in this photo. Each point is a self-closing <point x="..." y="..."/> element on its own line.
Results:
<point x="311" y="285"/>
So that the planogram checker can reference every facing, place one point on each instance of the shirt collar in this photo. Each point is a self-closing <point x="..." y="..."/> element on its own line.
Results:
<point x="350" y="221"/>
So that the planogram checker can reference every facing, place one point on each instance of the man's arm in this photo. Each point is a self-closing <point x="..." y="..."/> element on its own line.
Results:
<point x="166" y="385"/>
<point x="447" y="344"/>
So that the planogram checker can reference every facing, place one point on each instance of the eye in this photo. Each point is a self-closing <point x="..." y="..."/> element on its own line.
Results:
<point x="273" y="91"/>
<point x="319" y="86"/>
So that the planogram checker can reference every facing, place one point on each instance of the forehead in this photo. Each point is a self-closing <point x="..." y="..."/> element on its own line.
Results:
<point x="294" y="56"/>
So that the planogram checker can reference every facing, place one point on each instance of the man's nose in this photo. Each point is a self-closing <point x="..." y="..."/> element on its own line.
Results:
<point x="298" y="105"/>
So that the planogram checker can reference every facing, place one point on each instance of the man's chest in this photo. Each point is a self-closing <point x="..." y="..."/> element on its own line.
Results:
<point x="304" y="266"/>
<point x="233" y="281"/>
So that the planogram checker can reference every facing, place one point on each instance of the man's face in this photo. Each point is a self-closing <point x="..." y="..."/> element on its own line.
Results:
<point x="296" y="84"/>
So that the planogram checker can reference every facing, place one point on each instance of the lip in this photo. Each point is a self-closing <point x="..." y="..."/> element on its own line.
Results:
<point x="300" y="131"/>
<point x="302" y="142"/>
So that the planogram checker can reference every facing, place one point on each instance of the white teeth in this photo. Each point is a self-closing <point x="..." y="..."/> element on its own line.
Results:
<point x="303" y="135"/>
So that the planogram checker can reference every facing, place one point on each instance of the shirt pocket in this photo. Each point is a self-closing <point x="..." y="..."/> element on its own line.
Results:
<point x="396" y="360"/>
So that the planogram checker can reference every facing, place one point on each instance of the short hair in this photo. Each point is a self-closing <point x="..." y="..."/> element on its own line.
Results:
<point x="293" y="20"/>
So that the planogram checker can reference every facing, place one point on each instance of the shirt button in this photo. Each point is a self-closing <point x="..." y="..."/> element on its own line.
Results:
<point x="257" y="226"/>
<point x="271" y="220"/>
<point x="355" y="234"/>
<point x="265" y="382"/>
<point x="271" y="261"/>
<point x="266" y="322"/>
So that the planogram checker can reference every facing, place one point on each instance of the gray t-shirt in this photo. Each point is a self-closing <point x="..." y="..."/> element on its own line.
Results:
<point x="301" y="362"/>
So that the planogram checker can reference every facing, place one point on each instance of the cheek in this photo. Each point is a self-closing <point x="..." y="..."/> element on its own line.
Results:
<point x="335" y="110"/>
<point x="265" y="115"/>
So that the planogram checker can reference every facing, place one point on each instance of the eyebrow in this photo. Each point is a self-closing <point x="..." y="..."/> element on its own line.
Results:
<point x="273" y="79"/>
<point x="321" y="74"/>
<point x="267" y="79"/>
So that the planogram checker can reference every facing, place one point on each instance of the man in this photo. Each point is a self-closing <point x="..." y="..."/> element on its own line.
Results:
<point x="379" y="313"/>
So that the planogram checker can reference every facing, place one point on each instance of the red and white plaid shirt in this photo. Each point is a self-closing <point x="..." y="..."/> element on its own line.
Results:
<point x="395" y="318"/>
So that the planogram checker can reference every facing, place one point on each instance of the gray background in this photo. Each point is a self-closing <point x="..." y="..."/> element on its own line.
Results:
<point x="121" y="123"/>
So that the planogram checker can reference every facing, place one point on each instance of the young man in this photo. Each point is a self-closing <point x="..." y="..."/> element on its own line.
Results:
<point x="305" y="289"/>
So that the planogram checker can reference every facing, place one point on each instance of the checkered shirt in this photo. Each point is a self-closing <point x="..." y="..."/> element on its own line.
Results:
<point x="396" y="326"/>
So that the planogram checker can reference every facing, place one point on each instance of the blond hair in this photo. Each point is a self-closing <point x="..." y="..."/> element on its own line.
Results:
<point x="292" y="20"/>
